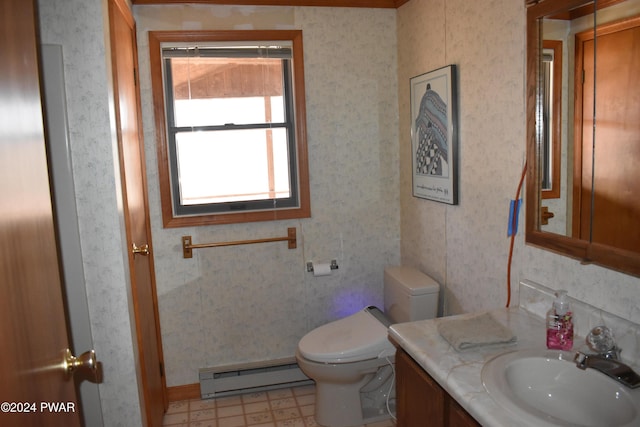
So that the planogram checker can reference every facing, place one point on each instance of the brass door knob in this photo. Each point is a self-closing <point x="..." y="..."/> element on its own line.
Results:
<point x="142" y="250"/>
<point x="86" y="363"/>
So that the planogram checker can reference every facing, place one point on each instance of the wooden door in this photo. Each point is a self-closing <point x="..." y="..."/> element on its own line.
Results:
<point x="134" y="186"/>
<point x="616" y="175"/>
<point x="33" y="327"/>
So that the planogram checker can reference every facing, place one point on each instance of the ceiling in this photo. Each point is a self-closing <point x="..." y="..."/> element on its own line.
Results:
<point x="389" y="4"/>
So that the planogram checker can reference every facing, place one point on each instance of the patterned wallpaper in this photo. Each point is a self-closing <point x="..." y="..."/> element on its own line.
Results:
<point x="466" y="246"/>
<point x="250" y="303"/>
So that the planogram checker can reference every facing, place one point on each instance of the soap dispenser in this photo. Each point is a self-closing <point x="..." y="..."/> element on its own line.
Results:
<point x="560" y="323"/>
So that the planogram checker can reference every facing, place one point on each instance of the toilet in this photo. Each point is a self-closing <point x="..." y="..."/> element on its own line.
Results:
<point x="352" y="360"/>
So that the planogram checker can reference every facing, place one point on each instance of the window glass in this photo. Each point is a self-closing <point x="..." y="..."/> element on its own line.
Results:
<point x="218" y="91"/>
<point x="235" y="165"/>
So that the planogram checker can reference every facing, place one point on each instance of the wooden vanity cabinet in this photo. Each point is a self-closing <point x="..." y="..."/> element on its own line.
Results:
<point x="420" y="401"/>
<point x="458" y="416"/>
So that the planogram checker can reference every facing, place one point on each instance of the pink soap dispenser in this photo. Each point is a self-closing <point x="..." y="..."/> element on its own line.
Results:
<point x="560" y="323"/>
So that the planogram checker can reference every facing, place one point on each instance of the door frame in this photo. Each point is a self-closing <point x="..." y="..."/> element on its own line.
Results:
<point x="148" y="400"/>
<point x="66" y="220"/>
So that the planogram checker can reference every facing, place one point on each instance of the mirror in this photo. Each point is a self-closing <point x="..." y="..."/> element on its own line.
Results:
<point x="551" y="138"/>
<point x="583" y="131"/>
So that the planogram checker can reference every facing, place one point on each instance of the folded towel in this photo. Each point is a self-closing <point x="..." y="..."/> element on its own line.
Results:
<point x="477" y="331"/>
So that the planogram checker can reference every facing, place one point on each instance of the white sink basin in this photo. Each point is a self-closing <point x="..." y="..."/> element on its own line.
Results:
<point x="544" y="387"/>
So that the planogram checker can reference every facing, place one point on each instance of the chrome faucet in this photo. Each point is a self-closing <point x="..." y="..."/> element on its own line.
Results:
<point x="606" y="360"/>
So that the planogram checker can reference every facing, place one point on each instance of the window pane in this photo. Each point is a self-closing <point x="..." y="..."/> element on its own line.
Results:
<point x="281" y="163"/>
<point x="218" y="91"/>
<point x="238" y="165"/>
<point x="220" y="111"/>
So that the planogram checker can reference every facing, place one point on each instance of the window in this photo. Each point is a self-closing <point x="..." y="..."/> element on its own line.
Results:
<point x="230" y="126"/>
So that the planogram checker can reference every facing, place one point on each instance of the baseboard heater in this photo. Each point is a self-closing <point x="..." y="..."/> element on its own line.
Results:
<point x="250" y="377"/>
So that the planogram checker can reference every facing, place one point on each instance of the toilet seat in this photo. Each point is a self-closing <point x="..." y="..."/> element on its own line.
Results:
<point x="354" y="338"/>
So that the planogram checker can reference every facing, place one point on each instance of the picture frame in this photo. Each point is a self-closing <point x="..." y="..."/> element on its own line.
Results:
<point x="434" y="140"/>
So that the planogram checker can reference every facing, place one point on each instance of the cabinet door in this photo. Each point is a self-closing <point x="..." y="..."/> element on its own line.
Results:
<point x="420" y="401"/>
<point x="458" y="417"/>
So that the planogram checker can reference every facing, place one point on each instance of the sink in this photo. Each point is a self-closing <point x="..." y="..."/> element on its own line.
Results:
<point x="544" y="387"/>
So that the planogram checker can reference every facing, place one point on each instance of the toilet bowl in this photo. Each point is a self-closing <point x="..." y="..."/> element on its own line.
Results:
<point x="342" y="357"/>
<point x="351" y="359"/>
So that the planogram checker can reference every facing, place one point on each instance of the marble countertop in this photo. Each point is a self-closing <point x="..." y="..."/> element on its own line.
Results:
<point x="458" y="372"/>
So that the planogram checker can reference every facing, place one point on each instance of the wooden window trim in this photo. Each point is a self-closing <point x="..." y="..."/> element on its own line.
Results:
<point x="168" y="218"/>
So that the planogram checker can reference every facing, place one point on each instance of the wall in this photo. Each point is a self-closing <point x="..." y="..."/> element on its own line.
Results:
<point x="81" y="28"/>
<point x="251" y="303"/>
<point x="465" y="246"/>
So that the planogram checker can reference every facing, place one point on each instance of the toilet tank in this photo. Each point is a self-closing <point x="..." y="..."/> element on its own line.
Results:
<point x="409" y="294"/>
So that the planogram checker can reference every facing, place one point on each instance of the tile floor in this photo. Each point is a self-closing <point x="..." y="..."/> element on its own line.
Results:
<point x="287" y="407"/>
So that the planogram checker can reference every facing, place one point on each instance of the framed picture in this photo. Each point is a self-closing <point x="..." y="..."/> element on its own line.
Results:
<point x="434" y="135"/>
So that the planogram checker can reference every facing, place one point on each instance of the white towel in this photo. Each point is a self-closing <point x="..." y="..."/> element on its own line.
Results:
<point x="477" y="331"/>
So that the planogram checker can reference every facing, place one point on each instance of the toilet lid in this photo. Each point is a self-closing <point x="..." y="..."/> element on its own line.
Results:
<point x="354" y="338"/>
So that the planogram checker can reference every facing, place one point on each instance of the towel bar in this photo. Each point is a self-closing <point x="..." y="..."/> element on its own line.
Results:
<point x="188" y="245"/>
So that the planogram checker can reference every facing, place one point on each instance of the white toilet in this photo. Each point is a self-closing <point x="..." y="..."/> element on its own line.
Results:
<point x="351" y="359"/>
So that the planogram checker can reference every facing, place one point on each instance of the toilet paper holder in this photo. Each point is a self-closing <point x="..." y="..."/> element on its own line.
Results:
<point x="333" y="265"/>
